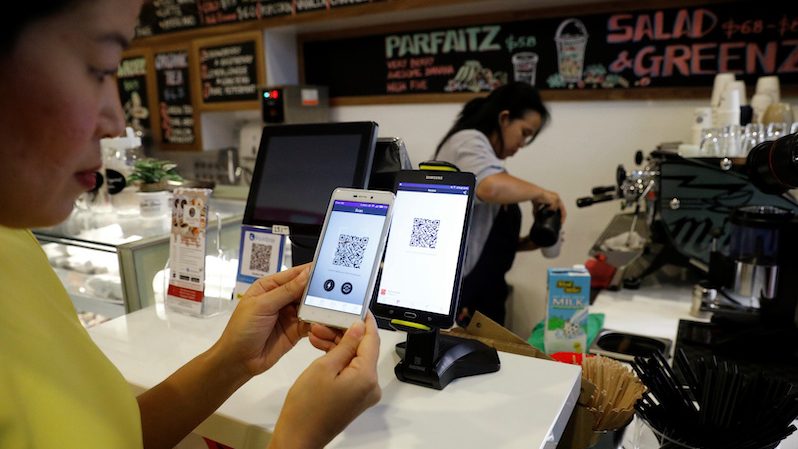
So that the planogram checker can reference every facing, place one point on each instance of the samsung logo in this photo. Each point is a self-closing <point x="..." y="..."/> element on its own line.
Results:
<point x="439" y="178"/>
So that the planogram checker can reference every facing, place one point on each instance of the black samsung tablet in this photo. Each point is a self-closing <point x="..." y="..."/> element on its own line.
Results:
<point x="298" y="167"/>
<point x="420" y="279"/>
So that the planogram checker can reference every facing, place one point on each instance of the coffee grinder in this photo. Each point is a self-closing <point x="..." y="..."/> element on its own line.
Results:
<point x="773" y="167"/>
<point x="750" y="272"/>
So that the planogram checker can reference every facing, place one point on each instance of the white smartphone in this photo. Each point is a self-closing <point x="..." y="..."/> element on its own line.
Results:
<point x="347" y="257"/>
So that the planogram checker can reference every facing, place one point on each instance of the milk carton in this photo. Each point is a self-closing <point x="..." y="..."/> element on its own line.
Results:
<point x="567" y="310"/>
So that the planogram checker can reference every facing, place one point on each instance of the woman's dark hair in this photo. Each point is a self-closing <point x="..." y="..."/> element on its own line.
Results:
<point x="12" y="24"/>
<point x="482" y="113"/>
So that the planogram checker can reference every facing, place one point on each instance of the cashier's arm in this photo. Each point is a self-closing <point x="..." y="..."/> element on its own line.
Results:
<point x="504" y="188"/>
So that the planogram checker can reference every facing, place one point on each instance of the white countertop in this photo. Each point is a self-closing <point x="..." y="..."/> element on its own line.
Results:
<point x="526" y="404"/>
<point x="654" y="310"/>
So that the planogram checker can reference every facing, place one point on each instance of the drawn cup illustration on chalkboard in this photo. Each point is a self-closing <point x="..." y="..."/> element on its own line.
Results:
<point x="571" y="40"/>
<point x="525" y="65"/>
<point x="135" y="112"/>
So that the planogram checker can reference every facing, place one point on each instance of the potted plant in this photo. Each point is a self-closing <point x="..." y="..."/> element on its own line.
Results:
<point x="153" y="176"/>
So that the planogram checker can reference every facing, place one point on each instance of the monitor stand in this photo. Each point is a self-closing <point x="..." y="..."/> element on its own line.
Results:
<point x="303" y="248"/>
<point x="433" y="360"/>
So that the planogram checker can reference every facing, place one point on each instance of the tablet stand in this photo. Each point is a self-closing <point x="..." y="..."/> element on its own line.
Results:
<point x="433" y="360"/>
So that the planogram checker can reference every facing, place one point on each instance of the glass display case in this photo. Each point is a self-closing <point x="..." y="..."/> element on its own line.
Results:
<point x="109" y="263"/>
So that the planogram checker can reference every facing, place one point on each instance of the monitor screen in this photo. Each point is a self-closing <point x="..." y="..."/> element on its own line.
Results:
<point x="298" y="167"/>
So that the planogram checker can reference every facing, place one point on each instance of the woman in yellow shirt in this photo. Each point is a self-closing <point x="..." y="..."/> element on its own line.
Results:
<point x="58" y="98"/>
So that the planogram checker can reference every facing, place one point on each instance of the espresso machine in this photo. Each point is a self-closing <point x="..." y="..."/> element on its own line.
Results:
<point x="734" y="224"/>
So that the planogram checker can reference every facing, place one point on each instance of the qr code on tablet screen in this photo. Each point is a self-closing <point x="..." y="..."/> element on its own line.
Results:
<point x="261" y="257"/>
<point x="349" y="252"/>
<point x="425" y="233"/>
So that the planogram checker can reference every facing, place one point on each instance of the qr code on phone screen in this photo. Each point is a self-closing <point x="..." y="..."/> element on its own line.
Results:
<point x="425" y="233"/>
<point x="349" y="252"/>
<point x="261" y="257"/>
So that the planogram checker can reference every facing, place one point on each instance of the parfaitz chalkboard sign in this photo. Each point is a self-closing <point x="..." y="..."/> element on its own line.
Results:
<point x="175" y="109"/>
<point x="673" y="47"/>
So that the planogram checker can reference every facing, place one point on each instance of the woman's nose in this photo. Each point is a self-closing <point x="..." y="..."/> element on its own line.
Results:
<point x="112" y="116"/>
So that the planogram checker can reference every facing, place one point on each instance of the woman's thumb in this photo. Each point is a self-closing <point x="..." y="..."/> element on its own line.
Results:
<point x="346" y="349"/>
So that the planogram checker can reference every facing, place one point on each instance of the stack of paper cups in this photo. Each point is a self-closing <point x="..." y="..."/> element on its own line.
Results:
<point x="728" y="111"/>
<point x="769" y="85"/>
<point x="760" y="103"/>
<point x="719" y="87"/>
<point x="702" y="119"/>
<point x="740" y="87"/>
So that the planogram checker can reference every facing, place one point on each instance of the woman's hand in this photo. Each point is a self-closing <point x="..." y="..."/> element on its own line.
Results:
<point x="526" y="244"/>
<point x="323" y="337"/>
<point x="552" y="200"/>
<point x="265" y="325"/>
<point x="333" y="390"/>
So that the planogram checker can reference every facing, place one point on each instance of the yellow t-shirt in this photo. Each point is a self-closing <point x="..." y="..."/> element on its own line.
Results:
<point x="57" y="389"/>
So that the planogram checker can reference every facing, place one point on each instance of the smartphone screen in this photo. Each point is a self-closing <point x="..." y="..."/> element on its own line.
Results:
<point x="423" y="249"/>
<point x="348" y="252"/>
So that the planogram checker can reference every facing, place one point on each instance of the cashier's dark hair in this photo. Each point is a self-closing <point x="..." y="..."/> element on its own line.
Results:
<point x="482" y="113"/>
<point x="25" y="13"/>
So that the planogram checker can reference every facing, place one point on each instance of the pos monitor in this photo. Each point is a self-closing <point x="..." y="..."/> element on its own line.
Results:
<point x="298" y="167"/>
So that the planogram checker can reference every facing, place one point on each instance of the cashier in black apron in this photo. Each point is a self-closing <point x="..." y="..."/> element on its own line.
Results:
<point x="487" y="131"/>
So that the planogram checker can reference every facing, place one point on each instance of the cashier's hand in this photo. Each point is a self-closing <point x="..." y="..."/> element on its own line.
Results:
<point x="332" y="391"/>
<point x="264" y="325"/>
<point x="551" y="199"/>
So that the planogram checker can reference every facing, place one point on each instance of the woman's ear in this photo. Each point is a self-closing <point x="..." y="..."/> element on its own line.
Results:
<point x="504" y="117"/>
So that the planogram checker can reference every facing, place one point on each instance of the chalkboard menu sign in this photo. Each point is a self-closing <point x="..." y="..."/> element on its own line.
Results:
<point x="134" y="90"/>
<point x="633" y="51"/>
<point x="217" y="12"/>
<point x="230" y="69"/>
<point x="176" y="118"/>
<point x="163" y="16"/>
<point x="310" y="5"/>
